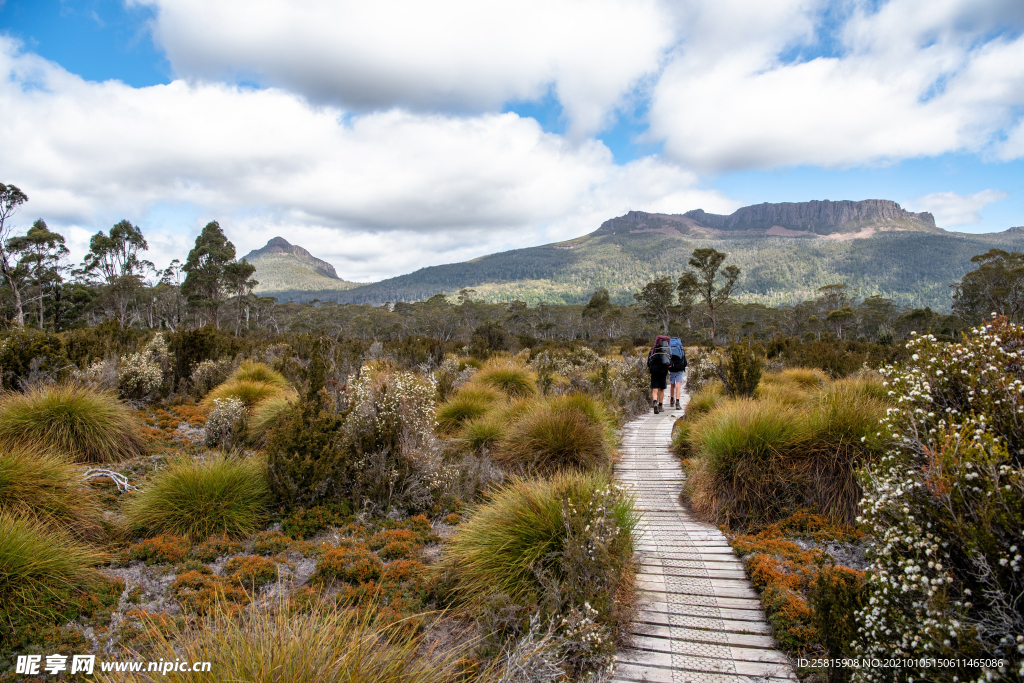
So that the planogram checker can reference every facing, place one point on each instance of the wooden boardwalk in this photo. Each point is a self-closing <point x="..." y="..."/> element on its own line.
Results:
<point x="700" y="621"/>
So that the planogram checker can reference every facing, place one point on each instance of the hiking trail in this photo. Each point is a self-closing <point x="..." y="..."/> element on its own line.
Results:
<point x="699" y="619"/>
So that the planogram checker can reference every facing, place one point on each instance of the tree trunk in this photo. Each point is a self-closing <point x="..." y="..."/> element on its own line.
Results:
<point x="19" y="316"/>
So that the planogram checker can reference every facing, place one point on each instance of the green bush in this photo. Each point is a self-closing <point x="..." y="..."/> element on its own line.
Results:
<point x="87" y="425"/>
<point x="197" y="499"/>
<point x="353" y="564"/>
<point x="742" y="371"/>
<point x="836" y="594"/>
<point x="555" y="435"/>
<point x="46" y="486"/>
<point x="27" y="354"/>
<point x="191" y="347"/>
<point x="483" y="432"/>
<point x="305" y="461"/>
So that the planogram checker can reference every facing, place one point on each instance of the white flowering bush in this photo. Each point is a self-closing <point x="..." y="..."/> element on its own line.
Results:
<point x="100" y="375"/>
<point x="225" y="422"/>
<point x="210" y="373"/>
<point x="945" y="505"/>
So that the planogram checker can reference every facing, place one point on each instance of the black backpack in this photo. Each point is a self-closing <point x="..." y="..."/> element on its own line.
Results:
<point x="659" y="358"/>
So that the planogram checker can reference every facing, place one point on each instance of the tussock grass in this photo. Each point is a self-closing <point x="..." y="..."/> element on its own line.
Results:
<point x="48" y="487"/>
<point x="705" y="400"/>
<point x="40" y="566"/>
<point x="483" y="432"/>
<point x="521" y="530"/>
<point x="512" y="381"/>
<point x="265" y="416"/>
<point x="223" y="495"/>
<point x="320" y="645"/>
<point x="554" y="435"/>
<point x="250" y="371"/>
<point x="468" y="403"/>
<point x="807" y="378"/>
<point x="87" y="425"/>
<point x="249" y="392"/>
<point x="757" y="461"/>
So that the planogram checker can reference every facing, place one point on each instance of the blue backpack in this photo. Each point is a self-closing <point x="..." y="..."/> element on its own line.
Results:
<point x="678" y="361"/>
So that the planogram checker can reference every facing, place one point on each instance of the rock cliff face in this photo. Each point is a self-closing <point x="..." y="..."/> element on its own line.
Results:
<point x="812" y="218"/>
<point x="280" y="245"/>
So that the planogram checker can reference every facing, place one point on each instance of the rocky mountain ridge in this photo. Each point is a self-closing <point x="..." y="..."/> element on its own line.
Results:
<point x="279" y="245"/>
<point x="788" y="219"/>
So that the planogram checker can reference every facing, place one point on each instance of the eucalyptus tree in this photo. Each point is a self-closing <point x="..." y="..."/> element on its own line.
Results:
<point x="10" y="199"/>
<point x="42" y="254"/>
<point x="701" y="282"/>
<point x="204" y="280"/>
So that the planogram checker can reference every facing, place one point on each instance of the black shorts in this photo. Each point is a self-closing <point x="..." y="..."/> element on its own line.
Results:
<point x="659" y="379"/>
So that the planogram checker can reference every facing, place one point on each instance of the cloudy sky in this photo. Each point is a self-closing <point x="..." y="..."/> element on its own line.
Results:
<point x="390" y="135"/>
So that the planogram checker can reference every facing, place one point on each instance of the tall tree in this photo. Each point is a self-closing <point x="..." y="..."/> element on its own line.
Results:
<point x="10" y="199"/>
<point x="239" y="283"/>
<point x="41" y="254"/>
<point x="204" y="268"/>
<point x="658" y="301"/>
<point x="996" y="286"/>
<point x="700" y="282"/>
<point x="114" y="260"/>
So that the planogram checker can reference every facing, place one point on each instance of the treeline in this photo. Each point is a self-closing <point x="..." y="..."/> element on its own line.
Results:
<point x="114" y="286"/>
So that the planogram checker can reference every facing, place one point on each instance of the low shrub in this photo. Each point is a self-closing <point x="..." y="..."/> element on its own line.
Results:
<point x="352" y="563"/>
<point x="555" y="435"/>
<point x="741" y="371"/>
<point x="251" y="571"/>
<point x="319" y="645"/>
<point x="197" y="499"/>
<point x="468" y="403"/>
<point x="200" y="591"/>
<point x="836" y="594"/>
<point x="214" y="547"/>
<point x="305" y="523"/>
<point x="225" y="424"/>
<point x="164" y="549"/>
<point x="271" y="543"/>
<point x="47" y="487"/>
<point x="89" y="426"/>
<point x="208" y="374"/>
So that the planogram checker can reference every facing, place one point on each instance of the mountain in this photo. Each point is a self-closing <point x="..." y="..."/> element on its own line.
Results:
<point x="281" y="266"/>
<point x="786" y="252"/>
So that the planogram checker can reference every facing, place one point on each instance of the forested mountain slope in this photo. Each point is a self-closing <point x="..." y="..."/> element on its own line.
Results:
<point x="875" y="247"/>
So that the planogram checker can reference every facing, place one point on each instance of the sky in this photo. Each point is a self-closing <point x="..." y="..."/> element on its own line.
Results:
<point x="389" y="136"/>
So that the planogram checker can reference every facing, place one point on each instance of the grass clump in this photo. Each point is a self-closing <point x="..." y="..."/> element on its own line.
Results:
<point x="248" y="392"/>
<point x="467" y="404"/>
<point x="483" y="432"/>
<point x="568" y="432"/>
<point x="196" y="499"/>
<point x="753" y="462"/>
<point x="265" y="416"/>
<point x="705" y="400"/>
<point x="514" y="382"/>
<point x="49" y="488"/>
<point x="250" y="371"/>
<point x="319" y="645"/>
<point x="89" y="426"/>
<point x="40" y="567"/>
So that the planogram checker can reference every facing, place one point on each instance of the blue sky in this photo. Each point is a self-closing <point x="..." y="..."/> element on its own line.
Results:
<point x="527" y="122"/>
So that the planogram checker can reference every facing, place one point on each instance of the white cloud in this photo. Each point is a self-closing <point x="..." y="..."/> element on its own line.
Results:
<point x="912" y="78"/>
<point x="423" y="55"/>
<point x="953" y="210"/>
<point x="377" y="194"/>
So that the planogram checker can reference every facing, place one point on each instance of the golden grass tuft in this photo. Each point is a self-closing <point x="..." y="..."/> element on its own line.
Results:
<point x="249" y="392"/>
<point x="468" y="403"/>
<point x="49" y="488"/>
<point x="265" y="416"/>
<point x="513" y="381"/>
<point x="562" y="433"/>
<point x="87" y="425"/>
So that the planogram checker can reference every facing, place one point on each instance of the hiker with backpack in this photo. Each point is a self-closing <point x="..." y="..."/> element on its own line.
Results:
<point x="658" y="362"/>
<point x="676" y="368"/>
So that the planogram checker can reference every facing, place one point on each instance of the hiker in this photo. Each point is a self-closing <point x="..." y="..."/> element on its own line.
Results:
<point x="676" y="368"/>
<point x="658" y="361"/>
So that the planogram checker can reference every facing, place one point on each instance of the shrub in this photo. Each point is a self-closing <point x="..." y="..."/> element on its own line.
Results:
<point x="451" y="375"/>
<point x="250" y="571"/>
<point x="164" y="549"/>
<point x="555" y="435"/>
<point x="200" y="591"/>
<point x="41" y="567"/>
<point x="271" y="543"/>
<point x="304" y="523"/>
<point x="28" y="355"/>
<point x="208" y="374"/>
<point x="741" y="372"/>
<point x="197" y="499"/>
<point x="348" y="564"/>
<point x="225" y="424"/>
<point x="140" y="374"/>
<point x="946" y="505"/>
<point x="214" y="547"/>
<point x="47" y="487"/>
<point x="192" y="347"/>
<point x="87" y="425"/>
<point x="512" y="381"/>
<point x="467" y="404"/>
<point x="836" y="593"/>
<point x="321" y="645"/>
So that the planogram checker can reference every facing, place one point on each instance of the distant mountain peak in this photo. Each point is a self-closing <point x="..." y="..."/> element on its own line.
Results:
<point x="817" y="218"/>
<point x="279" y="245"/>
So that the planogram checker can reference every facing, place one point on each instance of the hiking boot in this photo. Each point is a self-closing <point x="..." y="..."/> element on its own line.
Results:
<point x="678" y="407"/>
<point x="654" y="404"/>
